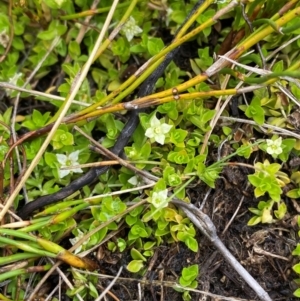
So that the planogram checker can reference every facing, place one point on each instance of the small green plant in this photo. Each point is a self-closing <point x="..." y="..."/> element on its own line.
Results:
<point x="84" y="286"/>
<point x="255" y="111"/>
<point x="296" y="267"/>
<point x="45" y="47"/>
<point x="188" y="279"/>
<point x="268" y="179"/>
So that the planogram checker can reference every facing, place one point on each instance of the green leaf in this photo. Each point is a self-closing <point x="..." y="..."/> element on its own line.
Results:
<point x="97" y="237"/>
<point x="76" y="290"/>
<point x="171" y="178"/>
<point x="292" y="26"/>
<point x="136" y="211"/>
<point x="4" y="22"/>
<point x="135" y="254"/>
<point x="155" y="45"/>
<point x="121" y="48"/>
<point x="139" y="231"/>
<point x="93" y="291"/>
<point x="178" y="136"/>
<point x="297" y="293"/>
<point x="244" y="150"/>
<point x="111" y="246"/>
<point x="3" y="151"/>
<point x="178" y="16"/>
<point x="190" y="273"/>
<point x="194" y="284"/>
<point x="287" y="146"/>
<point x="184" y="282"/>
<point x="255" y="180"/>
<point x="278" y="66"/>
<point x="36" y="120"/>
<point x="191" y="243"/>
<point x="186" y="296"/>
<point x="208" y="14"/>
<point x="18" y="43"/>
<point x="121" y="244"/>
<point x="135" y="266"/>
<point x="74" y="50"/>
<point x="255" y="111"/>
<point x="137" y="49"/>
<point x="148" y="253"/>
<point x="160" y="185"/>
<point x="62" y="138"/>
<point x="281" y="211"/>
<point x="205" y="60"/>
<point x="254" y="221"/>
<point x="161" y="232"/>
<point x="170" y="109"/>
<point x="149" y="245"/>
<point x="297" y="250"/>
<point x="162" y="224"/>
<point x="296" y="268"/>
<point x="179" y="157"/>
<point x="130" y="220"/>
<point x="294" y="193"/>
<point x="55" y="29"/>
<point x="208" y="174"/>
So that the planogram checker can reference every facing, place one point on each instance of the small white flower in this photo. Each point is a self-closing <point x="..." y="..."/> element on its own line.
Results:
<point x="274" y="146"/>
<point x="130" y="29"/>
<point x="158" y="130"/>
<point x="136" y="181"/>
<point x="66" y="161"/>
<point x="14" y="81"/>
<point x="168" y="15"/>
<point x="4" y="38"/>
<point x="159" y="199"/>
<point x="133" y="181"/>
<point x="74" y="240"/>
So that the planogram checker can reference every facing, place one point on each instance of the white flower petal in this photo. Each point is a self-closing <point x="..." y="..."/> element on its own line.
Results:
<point x="159" y="199"/>
<point x="77" y="170"/>
<point x="278" y="151"/>
<point x="278" y="141"/>
<point x="163" y="194"/>
<point x="62" y="159"/>
<point x="63" y="172"/>
<point x="59" y="2"/>
<point x="133" y="180"/>
<point x="160" y="138"/>
<point x="154" y="122"/>
<point x="4" y="38"/>
<point x="165" y="128"/>
<point x="274" y="146"/>
<point x="131" y="29"/>
<point x="150" y="133"/>
<point x="129" y="35"/>
<point x="168" y="16"/>
<point x="74" y="240"/>
<point x="74" y="157"/>
<point x="157" y="130"/>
